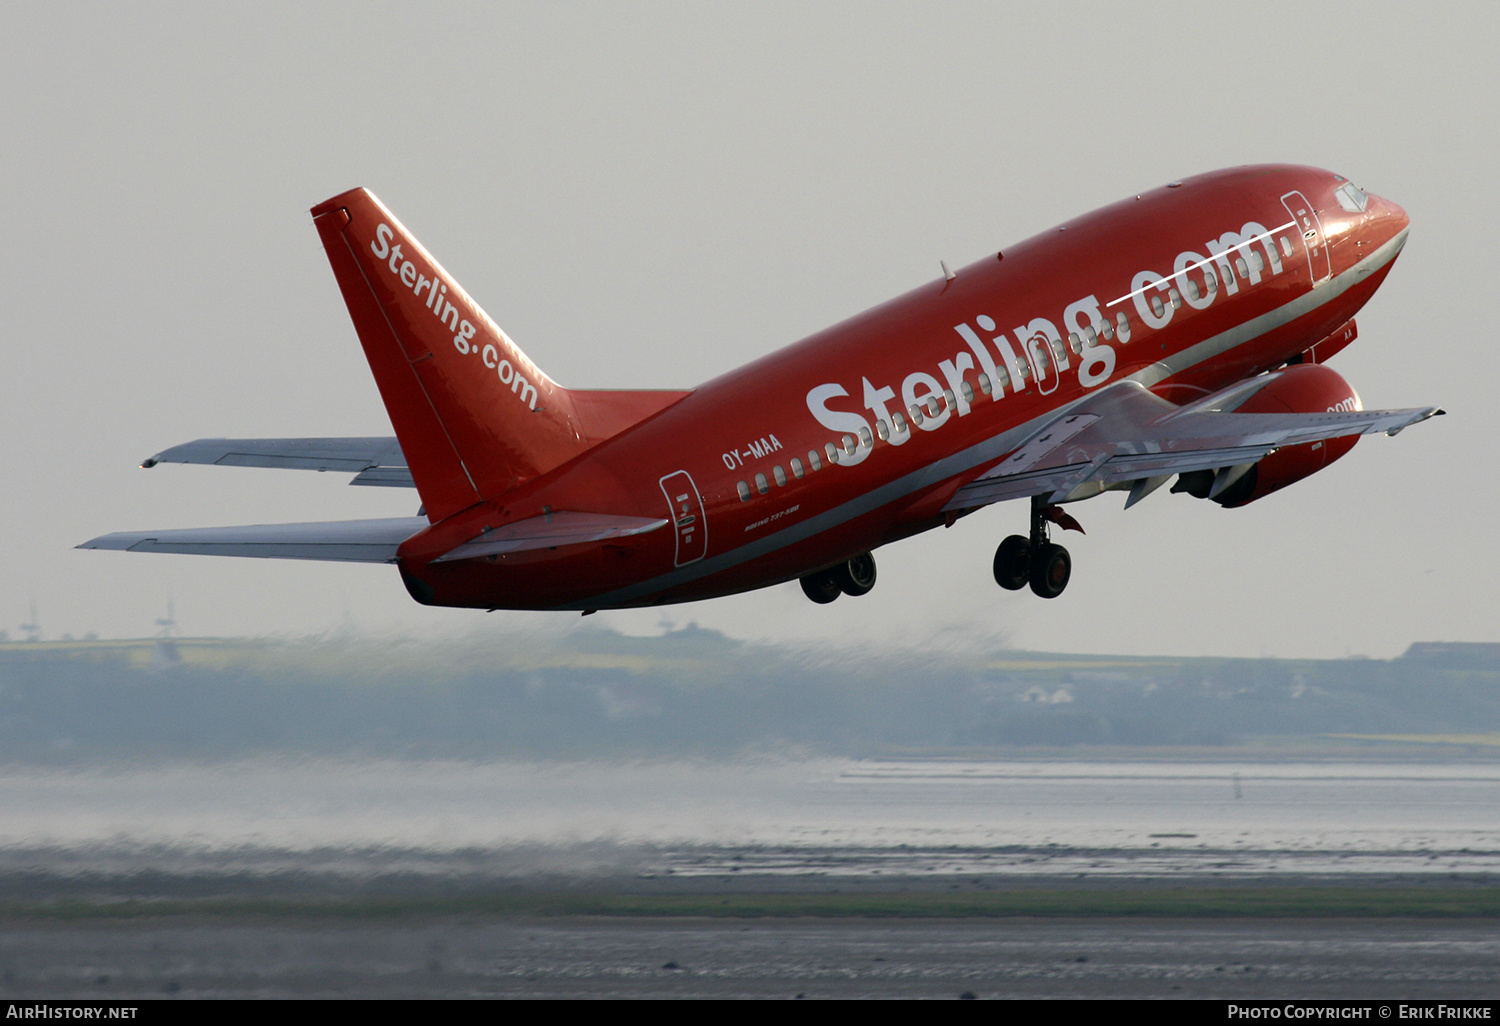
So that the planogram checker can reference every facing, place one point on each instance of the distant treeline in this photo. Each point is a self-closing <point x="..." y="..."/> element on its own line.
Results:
<point x="695" y="692"/>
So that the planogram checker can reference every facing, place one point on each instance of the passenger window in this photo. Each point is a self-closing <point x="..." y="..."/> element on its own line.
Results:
<point x="1157" y="307"/>
<point x="1108" y="331"/>
<point x="1002" y="377"/>
<point x="814" y="460"/>
<point x="916" y="414"/>
<point x="761" y="485"/>
<point x="1258" y="260"/>
<point x="1176" y="298"/>
<point x="1286" y="246"/>
<point x="1090" y="336"/>
<point x="849" y="445"/>
<point x="881" y="430"/>
<point x="832" y="451"/>
<point x="796" y="468"/>
<point x="932" y="406"/>
<point x="864" y="438"/>
<point x="1075" y="343"/>
<point x="744" y="491"/>
<point x="780" y="476"/>
<point x="1192" y="291"/>
<point x="1239" y="265"/>
<point x="985" y="385"/>
<point x="967" y="391"/>
<point x="948" y="401"/>
<point x="900" y="423"/>
<point x="1122" y="325"/>
<point x="1211" y="280"/>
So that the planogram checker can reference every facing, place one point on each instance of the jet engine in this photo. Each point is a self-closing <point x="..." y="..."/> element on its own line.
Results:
<point x="1301" y="388"/>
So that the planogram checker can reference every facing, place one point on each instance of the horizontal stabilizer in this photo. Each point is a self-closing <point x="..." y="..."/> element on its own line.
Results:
<point x="375" y="461"/>
<point x="352" y="455"/>
<point x="384" y="477"/>
<point x="349" y="541"/>
<point x="550" y="531"/>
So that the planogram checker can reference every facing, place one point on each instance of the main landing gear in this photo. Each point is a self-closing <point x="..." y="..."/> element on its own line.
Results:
<point x="1036" y="561"/>
<point x="856" y="577"/>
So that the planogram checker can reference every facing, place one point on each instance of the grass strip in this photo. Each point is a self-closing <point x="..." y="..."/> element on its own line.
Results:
<point x="1263" y="901"/>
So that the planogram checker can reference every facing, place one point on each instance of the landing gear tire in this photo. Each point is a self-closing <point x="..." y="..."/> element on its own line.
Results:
<point x="1050" y="570"/>
<point x="822" y="587"/>
<point x="1013" y="563"/>
<point x="857" y="576"/>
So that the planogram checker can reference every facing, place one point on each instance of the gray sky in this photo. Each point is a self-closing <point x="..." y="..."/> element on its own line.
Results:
<point x="646" y="195"/>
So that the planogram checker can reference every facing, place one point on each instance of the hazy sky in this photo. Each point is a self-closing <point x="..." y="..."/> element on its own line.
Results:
<point x="647" y="195"/>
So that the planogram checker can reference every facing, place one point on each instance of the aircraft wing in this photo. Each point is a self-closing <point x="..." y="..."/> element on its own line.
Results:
<point x="373" y="461"/>
<point x="1126" y="433"/>
<point x="349" y="541"/>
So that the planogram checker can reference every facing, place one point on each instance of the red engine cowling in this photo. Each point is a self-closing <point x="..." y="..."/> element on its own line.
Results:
<point x="1302" y="388"/>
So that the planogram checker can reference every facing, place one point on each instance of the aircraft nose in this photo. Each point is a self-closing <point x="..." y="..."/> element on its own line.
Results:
<point x="1387" y="220"/>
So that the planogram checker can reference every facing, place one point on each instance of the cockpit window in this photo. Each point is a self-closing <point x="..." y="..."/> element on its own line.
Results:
<point x="1351" y="197"/>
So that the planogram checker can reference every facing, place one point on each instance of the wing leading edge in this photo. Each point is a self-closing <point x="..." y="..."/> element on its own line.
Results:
<point x="1126" y="433"/>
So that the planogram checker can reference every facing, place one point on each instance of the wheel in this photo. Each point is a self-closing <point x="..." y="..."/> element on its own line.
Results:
<point x="857" y="576"/>
<point x="822" y="587"/>
<point x="1050" y="571"/>
<point x="1013" y="563"/>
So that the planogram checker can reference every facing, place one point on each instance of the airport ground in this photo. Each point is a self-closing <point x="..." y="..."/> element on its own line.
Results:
<point x="710" y="937"/>
<point x="236" y="822"/>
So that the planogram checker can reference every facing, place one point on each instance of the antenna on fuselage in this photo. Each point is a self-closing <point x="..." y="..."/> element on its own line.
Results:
<point x="947" y="274"/>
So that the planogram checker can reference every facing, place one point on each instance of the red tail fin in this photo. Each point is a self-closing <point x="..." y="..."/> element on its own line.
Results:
<point x="474" y="416"/>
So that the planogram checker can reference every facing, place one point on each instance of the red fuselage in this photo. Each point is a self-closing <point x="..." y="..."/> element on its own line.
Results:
<point x="1185" y="289"/>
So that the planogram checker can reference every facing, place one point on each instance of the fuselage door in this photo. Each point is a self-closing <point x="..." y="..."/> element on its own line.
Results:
<point x="1313" y="242"/>
<point x="1045" y="356"/>
<point x="686" y="507"/>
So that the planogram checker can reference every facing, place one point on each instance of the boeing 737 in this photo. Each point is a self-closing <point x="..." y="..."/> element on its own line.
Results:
<point x="1181" y="332"/>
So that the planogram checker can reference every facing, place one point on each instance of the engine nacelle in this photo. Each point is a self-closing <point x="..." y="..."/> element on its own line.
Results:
<point x="1302" y="388"/>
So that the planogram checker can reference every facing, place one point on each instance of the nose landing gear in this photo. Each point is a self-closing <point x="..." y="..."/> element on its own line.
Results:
<point x="1036" y="561"/>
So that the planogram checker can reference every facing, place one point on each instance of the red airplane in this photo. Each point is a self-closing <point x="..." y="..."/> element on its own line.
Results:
<point x="1180" y="332"/>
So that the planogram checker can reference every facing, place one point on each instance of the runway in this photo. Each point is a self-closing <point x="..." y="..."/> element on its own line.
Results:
<point x="814" y="959"/>
<point x="827" y="879"/>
